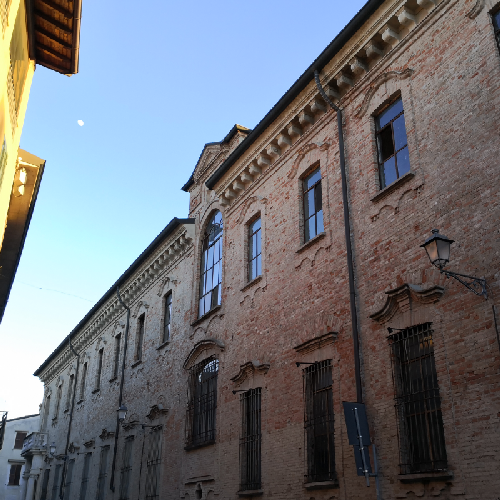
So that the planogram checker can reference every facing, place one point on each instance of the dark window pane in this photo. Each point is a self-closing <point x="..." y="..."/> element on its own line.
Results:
<point x="390" y="113"/>
<point x="318" y="201"/>
<point x="403" y="162"/>
<point x="399" y="133"/>
<point x="319" y="222"/>
<point x="496" y="20"/>
<point x="312" y="179"/>
<point x="385" y="144"/>
<point x="389" y="170"/>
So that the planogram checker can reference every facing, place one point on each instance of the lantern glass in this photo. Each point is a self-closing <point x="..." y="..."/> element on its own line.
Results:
<point x="122" y="413"/>
<point x="438" y="249"/>
<point x="53" y="448"/>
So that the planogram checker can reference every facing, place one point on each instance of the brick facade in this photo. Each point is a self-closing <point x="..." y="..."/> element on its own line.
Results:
<point x="441" y="58"/>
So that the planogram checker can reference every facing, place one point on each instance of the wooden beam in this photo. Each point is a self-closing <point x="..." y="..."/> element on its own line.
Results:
<point x="50" y="50"/>
<point x="66" y="13"/>
<point x="53" y="37"/>
<point x="55" y="23"/>
<point x="48" y="64"/>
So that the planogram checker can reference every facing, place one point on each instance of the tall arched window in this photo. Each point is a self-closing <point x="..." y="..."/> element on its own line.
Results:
<point x="211" y="265"/>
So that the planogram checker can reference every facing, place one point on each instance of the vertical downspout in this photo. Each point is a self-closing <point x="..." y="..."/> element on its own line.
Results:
<point x="63" y="478"/>
<point x="347" y="227"/>
<point x="112" y="481"/>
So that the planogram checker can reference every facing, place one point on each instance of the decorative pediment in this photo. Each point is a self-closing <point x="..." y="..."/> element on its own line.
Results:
<point x="203" y="345"/>
<point x="130" y="425"/>
<point x="316" y="343"/>
<point x="210" y="153"/>
<point x="400" y="299"/>
<point x="249" y="369"/>
<point x="72" y="448"/>
<point x="105" y="434"/>
<point x="89" y="444"/>
<point x="156" y="411"/>
<point x="138" y="307"/>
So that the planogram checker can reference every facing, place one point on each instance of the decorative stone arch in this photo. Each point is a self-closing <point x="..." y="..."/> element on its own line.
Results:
<point x="166" y="284"/>
<point x="101" y="342"/>
<point x="251" y="375"/>
<point x="141" y="307"/>
<point x="303" y="153"/>
<point x="203" y="349"/>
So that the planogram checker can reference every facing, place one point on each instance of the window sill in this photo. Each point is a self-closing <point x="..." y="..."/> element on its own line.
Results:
<point x="392" y="187"/>
<point x="95" y="391"/>
<point x="161" y="346"/>
<point x="321" y="485"/>
<point x="311" y="242"/>
<point x="250" y="284"/>
<point x="138" y="362"/>
<point x="206" y="315"/>
<point x="250" y="493"/>
<point x="190" y="447"/>
<point x="440" y="475"/>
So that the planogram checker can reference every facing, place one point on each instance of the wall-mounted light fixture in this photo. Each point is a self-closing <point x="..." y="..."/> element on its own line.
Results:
<point x="122" y="413"/>
<point x="437" y="247"/>
<point x="52" y="452"/>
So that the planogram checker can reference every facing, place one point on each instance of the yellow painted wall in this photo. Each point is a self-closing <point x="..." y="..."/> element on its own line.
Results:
<point x="10" y="126"/>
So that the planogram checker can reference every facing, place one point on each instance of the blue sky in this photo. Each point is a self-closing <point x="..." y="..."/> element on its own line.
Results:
<point x="155" y="85"/>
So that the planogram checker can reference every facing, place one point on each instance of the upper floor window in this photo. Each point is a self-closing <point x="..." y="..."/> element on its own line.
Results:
<point x="254" y="250"/>
<point x="392" y="145"/>
<point x="82" y="383"/>
<point x="15" y="474"/>
<point x="211" y="265"/>
<point x="100" y="357"/>
<point x="318" y="422"/>
<point x="202" y="402"/>
<point x="496" y="24"/>
<point x="18" y="443"/>
<point x="167" y="317"/>
<point x="313" y="205"/>
<point x="140" y="337"/>
<point x="418" y="404"/>
<point x="116" y="363"/>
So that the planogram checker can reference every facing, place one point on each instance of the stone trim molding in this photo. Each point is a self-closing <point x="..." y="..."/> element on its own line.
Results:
<point x="89" y="444"/>
<point x="476" y="9"/>
<point x="248" y="369"/>
<point x="401" y="298"/>
<point x="105" y="434"/>
<point x="316" y="343"/>
<point x="138" y="306"/>
<point x="152" y="269"/>
<point x="156" y="411"/>
<point x="201" y="346"/>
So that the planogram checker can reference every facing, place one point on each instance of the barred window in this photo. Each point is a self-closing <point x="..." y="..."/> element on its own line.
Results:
<point x="393" y="157"/>
<point x="250" y="441"/>
<point x="167" y="317"/>
<point x="103" y="468"/>
<point x="55" y="485"/>
<point x="15" y="474"/>
<point x="140" y="337"/>
<point x="85" y="476"/>
<point x="318" y="422"/>
<point x="211" y="266"/>
<point x="254" y="250"/>
<point x="126" y="470"/>
<point x="69" y="480"/>
<point x="116" y="363"/>
<point x="313" y="205"/>
<point x="200" y="422"/>
<point x="417" y="401"/>
<point x="45" y="484"/>
<point x="153" y="463"/>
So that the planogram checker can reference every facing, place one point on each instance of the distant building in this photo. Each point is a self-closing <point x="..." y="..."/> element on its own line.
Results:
<point x="32" y="32"/>
<point x="298" y="283"/>
<point x="12" y="464"/>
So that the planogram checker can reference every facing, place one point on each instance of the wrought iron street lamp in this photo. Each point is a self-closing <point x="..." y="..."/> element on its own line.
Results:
<point x="122" y="413"/>
<point x="438" y="251"/>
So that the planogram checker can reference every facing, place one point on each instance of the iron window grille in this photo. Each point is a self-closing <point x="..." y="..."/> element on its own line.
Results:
<point x="496" y="25"/>
<point x="153" y="462"/>
<point x="211" y="266"/>
<point x="69" y="480"/>
<point x="417" y="401"/>
<point x="250" y="441"/>
<point x="19" y="441"/>
<point x="126" y="470"/>
<point x="15" y="474"/>
<point x="200" y="421"/>
<point x="168" y="317"/>
<point x="140" y="337"/>
<point x="319" y="422"/>
<point x="103" y="468"/>
<point x="85" y="476"/>
<point x="55" y="485"/>
<point x="116" y="364"/>
<point x="313" y="205"/>
<point x="254" y="250"/>
<point x="45" y="485"/>
<point x="393" y="158"/>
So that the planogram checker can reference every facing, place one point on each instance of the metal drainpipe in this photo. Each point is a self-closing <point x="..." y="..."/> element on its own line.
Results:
<point x="112" y="481"/>
<point x="347" y="227"/>
<point x="63" y="478"/>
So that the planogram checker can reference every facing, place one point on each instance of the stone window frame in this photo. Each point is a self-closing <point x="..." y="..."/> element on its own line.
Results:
<point x="139" y="339"/>
<point x="59" y="388"/>
<point x="305" y="194"/>
<point x="83" y="381"/>
<point x="246" y="245"/>
<point x="99" y="370"/>
<point x="169" y="293"/>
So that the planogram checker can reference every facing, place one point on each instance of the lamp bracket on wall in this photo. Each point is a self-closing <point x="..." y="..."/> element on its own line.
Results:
<point x="475" y="285"/>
